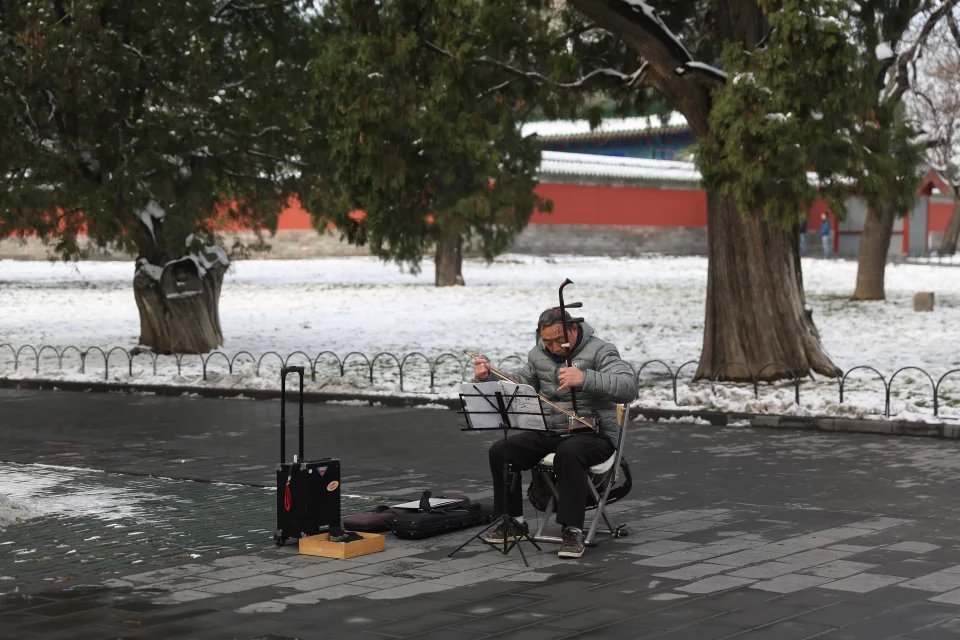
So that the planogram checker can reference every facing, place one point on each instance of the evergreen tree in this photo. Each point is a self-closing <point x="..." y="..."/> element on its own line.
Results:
<point x="419" y="125"/>
<point x="887" y="148"/>
<point x="146" y="128"/>
<point x="792" y="96"/>
<point x="784" y="112"/>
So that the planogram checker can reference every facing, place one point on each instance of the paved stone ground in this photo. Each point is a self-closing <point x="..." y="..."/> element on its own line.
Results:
<point x="734" y="532"/>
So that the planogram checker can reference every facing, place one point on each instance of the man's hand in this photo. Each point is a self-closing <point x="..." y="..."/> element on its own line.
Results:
<point x="480" y="368"/>
<point x="570" y="378"/>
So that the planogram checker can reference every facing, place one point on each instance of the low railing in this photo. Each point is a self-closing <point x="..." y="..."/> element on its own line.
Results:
<point x="448" y="367"/>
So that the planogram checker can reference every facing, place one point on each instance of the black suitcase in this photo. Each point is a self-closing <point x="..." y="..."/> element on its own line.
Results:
<point x="423" y="523"/>
<point x="308" y="491"/>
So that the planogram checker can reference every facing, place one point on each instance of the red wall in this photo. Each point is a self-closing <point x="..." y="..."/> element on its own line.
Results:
<point x="294" y="216"/>
<point x="938" y="214"/>
<point x="608" y="205"/>
<point x="589" y="204"/>
<point x="642" y="206"/>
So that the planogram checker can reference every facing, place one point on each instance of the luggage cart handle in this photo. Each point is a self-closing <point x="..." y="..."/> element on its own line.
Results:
<point x="284" y="372"/>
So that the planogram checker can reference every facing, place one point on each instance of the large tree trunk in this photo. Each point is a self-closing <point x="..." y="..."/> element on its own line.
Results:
<point x="179" y="305"/>
<point x="449" y="261"/>
<point x="872" y="255"/>
<point x="755" y="302"/>
<point x="756" y="321"/>
<point x="948" y="245"/>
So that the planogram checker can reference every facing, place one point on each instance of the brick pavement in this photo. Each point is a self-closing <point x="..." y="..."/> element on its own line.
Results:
<point x="734" y="533"/>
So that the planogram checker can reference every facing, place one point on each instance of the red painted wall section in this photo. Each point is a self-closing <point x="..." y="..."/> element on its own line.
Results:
<point x="609" y="205"/>
<point x="905" y="237"/>
<point x="932" y="179"/>
<point x="294" y="216"/>
<point x="938" y="215"/>
<point x="588" y="204"/>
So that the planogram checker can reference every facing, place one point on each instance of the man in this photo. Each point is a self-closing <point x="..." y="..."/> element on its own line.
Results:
<point x="601" y="380"/>
<point x="825" y="235"/>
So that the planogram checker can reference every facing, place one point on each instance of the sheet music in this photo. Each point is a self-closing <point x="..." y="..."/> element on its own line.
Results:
<point x="480" y="405"/>
<point x="525" y="411"/>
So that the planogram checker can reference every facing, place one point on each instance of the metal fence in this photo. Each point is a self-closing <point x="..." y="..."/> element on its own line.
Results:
<point x="448" y="367"/>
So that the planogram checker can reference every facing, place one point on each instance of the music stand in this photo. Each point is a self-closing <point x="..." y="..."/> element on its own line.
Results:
<point x="505" y="406"/>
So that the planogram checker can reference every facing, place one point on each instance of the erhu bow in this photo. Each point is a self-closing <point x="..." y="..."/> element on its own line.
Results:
<point x="563" y="410"/>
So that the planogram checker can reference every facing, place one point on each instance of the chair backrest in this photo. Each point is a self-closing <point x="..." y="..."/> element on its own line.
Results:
<point x="621" y="441"/>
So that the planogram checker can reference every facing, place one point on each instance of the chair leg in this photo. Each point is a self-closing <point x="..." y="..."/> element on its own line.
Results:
<point x="554" y="497"/>
<point x="538" y="536"/>
<point x="601" y="512"/>
<point x="596" y="517"/>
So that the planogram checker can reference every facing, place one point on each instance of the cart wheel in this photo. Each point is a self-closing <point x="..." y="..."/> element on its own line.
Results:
<point x="621" y="532"/>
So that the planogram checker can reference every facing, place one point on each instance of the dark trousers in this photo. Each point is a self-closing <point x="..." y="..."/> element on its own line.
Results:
<point x="574" y="455"/>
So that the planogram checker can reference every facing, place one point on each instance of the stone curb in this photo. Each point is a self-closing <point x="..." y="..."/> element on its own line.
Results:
<point x="817" y="423"/>
<point x="219" y="392"/>
<point x="715" y="418"/>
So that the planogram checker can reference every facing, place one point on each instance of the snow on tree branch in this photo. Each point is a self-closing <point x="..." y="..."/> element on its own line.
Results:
<point x="153" y="211"/>
<point x="648" y="18"/>
<point x="639" y="25"/>
<point x="707" y="70"/>
<point x="597" y="77"/>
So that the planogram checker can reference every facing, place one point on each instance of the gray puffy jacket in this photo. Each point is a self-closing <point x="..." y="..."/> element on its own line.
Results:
<point x="607" y="380"/>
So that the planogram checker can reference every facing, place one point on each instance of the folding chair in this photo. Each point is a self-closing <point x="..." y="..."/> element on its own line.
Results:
<point x="603" y="477"/>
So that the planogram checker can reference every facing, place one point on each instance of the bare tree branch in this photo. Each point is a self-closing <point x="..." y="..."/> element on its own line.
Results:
<point x="597" y="77"/>
<point x="901" y="80"/>
<point x="493" y="89"/>
<point x="638" y="26"/>
<point x="135" y="51"/>
<point x="954" y="29"/>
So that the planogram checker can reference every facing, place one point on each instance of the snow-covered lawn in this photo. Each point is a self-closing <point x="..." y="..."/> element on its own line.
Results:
<point x="652" y="308"/>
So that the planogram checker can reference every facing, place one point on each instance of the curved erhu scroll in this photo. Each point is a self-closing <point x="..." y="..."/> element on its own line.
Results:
<point x="566" y="337"/>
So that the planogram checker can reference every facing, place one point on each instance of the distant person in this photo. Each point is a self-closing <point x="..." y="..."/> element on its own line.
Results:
<point x="803" y="236"/>
<point x="825" y="236"/>
<point x="601" y="379"/>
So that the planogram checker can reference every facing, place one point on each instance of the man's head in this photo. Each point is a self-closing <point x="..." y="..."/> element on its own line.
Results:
<point x="550" y="331"/>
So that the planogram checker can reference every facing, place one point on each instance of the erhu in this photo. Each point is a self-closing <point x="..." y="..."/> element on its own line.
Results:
<point x="568" y="348"/>
<point x="574" y="416"/>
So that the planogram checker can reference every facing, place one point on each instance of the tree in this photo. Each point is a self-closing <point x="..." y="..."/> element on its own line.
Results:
<point x="813" y="89"/>
<point x="755" y="311"/>
<point x="887" y="149"/>
<point x="934" y="107"/>
<point x="414" y="133"/>
<point x="146" y="130"/>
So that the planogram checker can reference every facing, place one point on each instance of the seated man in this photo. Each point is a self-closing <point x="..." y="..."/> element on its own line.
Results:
<point x="601" y="380"/>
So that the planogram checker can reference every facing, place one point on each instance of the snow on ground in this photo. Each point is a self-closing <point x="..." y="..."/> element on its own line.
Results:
<point x="37" y="490"/>
<point x="651" y="307"/>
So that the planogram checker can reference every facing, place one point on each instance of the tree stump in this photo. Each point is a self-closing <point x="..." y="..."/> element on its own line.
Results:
<point x="923" y="301"/>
